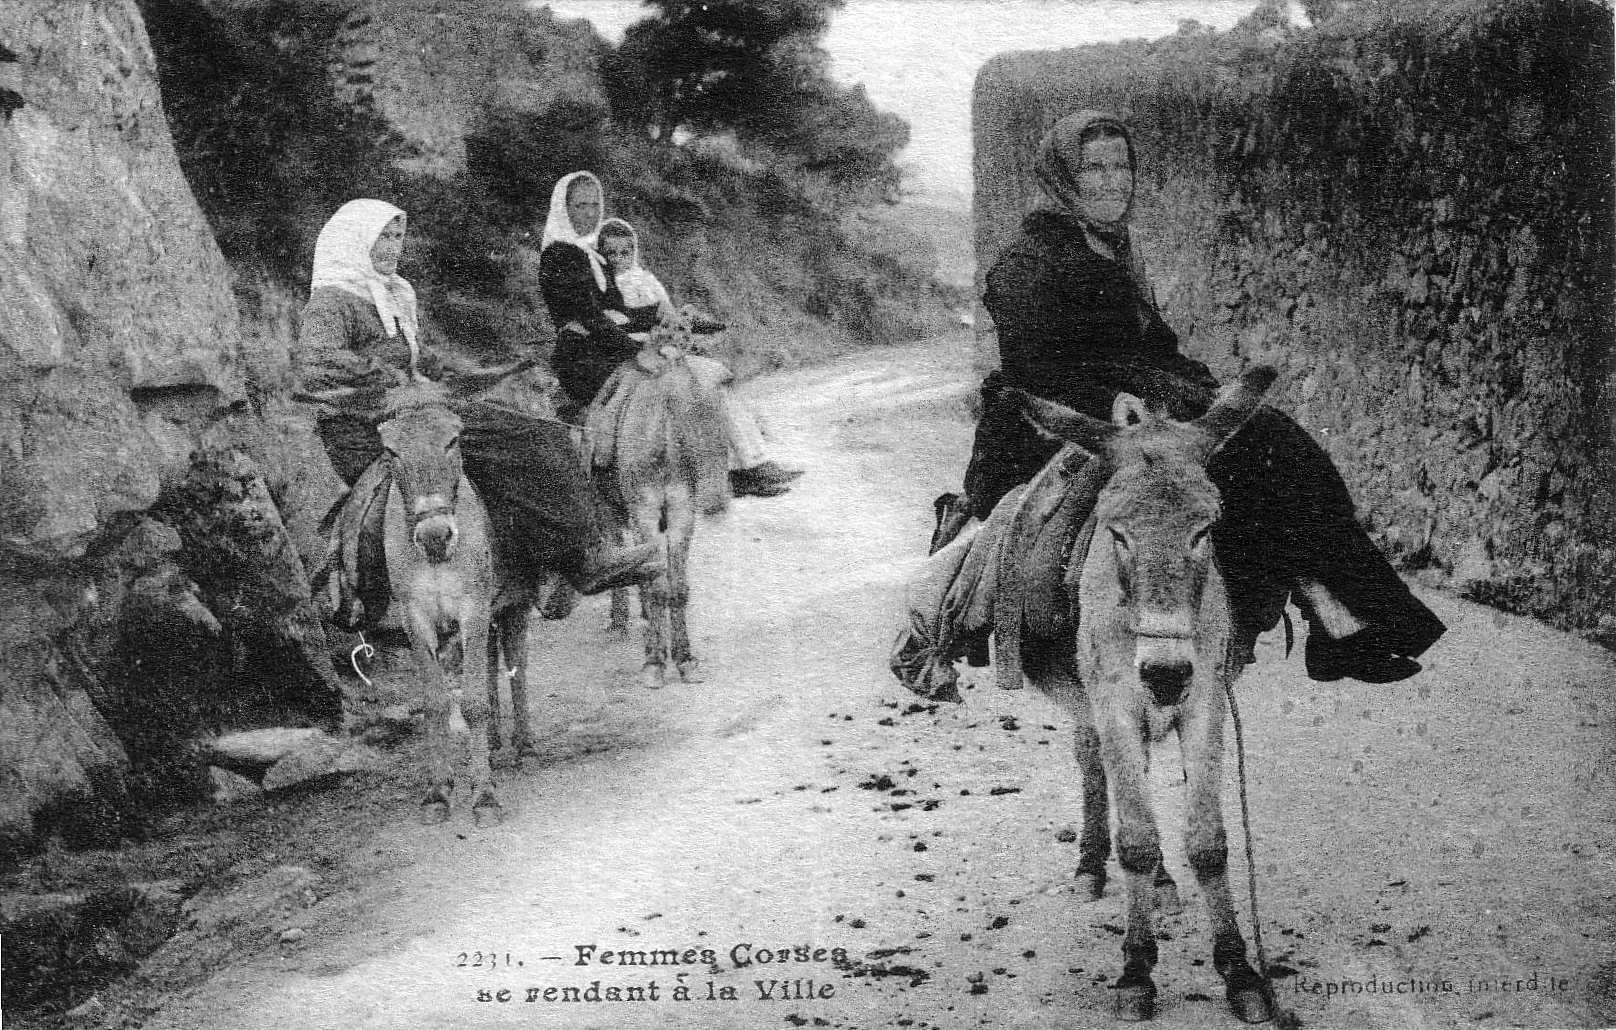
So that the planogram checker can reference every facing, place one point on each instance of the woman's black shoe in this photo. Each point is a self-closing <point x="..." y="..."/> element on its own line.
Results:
<point x="769" y="479"/>
<point x="1364" y="656"/>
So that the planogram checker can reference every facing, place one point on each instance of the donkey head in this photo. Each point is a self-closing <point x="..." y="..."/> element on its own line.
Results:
<point x="1155" y="516"/>
<point x="423" y="442"/>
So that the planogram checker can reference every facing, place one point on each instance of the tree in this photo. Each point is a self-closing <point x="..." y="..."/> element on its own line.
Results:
<point x="709" y="61"/>
<point x="756" y="69"/>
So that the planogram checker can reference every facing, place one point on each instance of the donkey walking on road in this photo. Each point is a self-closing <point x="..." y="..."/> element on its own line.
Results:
<point x="1150" y="654"/>
<point x="440" y="564"/>
<point x="664" y="457"/>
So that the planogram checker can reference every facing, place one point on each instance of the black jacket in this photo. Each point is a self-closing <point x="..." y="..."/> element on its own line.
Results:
<point x="582" y="361"/>
<point x="1074" y="327"/>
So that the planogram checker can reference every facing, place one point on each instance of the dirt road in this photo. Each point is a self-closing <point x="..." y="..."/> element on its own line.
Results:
<point x="1453" y="832"/>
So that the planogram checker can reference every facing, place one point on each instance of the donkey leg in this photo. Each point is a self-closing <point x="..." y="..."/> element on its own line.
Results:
<point x="1208" y="849"/>
<point x="1139" y="853"/>
<point x="1049" y="668"/>
<point x="435" y="695"/>
<point x="1166" y="889"/>
<point x="493" y="689"/>
<point x="653" y="598"/>
<point x="618" y="626"/>
<point x="479" y="677"/>
<point x="1094" y="846"/>
<point x="513" y="641"/>
<point x="681" y="528"/>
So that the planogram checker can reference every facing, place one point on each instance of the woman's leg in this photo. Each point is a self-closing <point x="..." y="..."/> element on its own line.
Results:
<point x="1288" y="519"/>
<point x="542" y="504"/>
<point x="351" y="443"/>
<point x="746" y="446"/>
<point x="751" y="469"/>
<point x="1006" y="453"/>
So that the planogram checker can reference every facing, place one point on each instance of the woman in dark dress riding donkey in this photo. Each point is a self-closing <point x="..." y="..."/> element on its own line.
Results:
<point x="1077" y="323"/>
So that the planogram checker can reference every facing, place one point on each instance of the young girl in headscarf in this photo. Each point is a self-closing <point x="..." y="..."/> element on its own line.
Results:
<point x="583" y="294"/>
<point x="639" y="299"/>
<point x="1077" y="323"/>
<point x="360" y="337"/>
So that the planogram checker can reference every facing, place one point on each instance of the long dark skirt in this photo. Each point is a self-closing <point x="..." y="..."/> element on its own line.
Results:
<point x="1287" y="516"/>
<point x="540" y="502"/>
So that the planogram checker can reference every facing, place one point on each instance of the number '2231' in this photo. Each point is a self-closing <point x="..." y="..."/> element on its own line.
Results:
<point x="485" y="960"/>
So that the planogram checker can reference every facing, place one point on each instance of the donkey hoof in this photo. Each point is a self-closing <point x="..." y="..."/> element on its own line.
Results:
<point x="434" y="811"/>
<point x="1167" y="900"/>
<point x="1248" y="1000"/>
<point x="1136" y="1003"/>
<point x="653" y="677"/>
<point x="1090" y="886"/>
<point x="487" y="812"/>
<point x="690" y="670"/>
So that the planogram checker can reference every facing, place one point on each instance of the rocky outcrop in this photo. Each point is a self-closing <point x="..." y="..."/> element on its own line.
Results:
<point x="1408" y="211"/>
<point x="120" y="360"/>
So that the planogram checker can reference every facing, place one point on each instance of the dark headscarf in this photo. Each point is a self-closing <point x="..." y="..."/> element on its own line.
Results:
<point x="1059" y="181"/>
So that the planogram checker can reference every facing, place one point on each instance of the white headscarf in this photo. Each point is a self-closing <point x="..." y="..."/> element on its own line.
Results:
<point x="637" y="285"/>
<point x="558" y="226"/>
<point x="342" y="260"/>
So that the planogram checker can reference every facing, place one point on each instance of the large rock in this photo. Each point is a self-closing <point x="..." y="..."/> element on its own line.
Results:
<point x="65" y="945"/>
<point x="120" y="352"/>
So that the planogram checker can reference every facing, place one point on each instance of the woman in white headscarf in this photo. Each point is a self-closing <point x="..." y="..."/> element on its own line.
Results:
<point x="585" y="297"/>
<point x="360" y="336"/>
<point x="573" y="279"/>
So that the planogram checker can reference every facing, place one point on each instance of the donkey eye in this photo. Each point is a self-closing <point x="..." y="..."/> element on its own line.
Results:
<point x="452" y="444"/>
<point x="1118" y="538"/>
<point x="1198" y="540"/>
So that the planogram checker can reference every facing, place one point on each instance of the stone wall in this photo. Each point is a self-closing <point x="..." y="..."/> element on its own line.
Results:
<point x="1407" y="209"/>
<point x="120" y="368"/>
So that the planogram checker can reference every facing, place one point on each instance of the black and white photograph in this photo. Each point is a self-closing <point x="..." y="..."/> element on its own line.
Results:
<point x="747" y="514"/>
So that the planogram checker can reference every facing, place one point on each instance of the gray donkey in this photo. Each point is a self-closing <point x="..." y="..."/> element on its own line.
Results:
<point x="1150" y="654"/>
<point x="441" y="568"/>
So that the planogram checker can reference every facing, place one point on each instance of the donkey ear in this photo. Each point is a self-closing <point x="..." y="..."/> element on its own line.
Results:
<point x="1128" y="410"/>
<point x="1062" y="423"/>
<point x="1235" y="404"/>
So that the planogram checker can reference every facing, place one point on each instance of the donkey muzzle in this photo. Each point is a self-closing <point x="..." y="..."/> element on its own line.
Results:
<point x="1166" y="666"/>
<point x="436" y="536"/>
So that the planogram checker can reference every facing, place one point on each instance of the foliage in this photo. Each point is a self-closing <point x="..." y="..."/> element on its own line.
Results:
<point x="717" y="64"/>
<point x="270" y="152"/>
<point x="514" y="157"/>
<point x="266" y="148"/>
<point x="759" y="71"/>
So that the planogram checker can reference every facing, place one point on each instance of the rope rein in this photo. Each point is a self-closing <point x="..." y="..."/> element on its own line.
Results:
<point x="366" y="650"/>
<point x="1251" y="861"/>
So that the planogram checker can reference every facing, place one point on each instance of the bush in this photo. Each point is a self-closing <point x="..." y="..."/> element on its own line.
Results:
<point x="757" y="71"/>
<point x="515" y="157"/>
<point x="265" y="145"/>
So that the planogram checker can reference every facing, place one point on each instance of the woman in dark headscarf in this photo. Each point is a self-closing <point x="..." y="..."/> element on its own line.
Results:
<point x="1077" y="323"/>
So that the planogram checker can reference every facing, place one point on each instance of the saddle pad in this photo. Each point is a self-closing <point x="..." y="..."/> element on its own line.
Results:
<point x="1032" y="560"/>
<point x="968" y="605"/>
<point x="356" y="550"/>
<point x="603" y="419"/>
